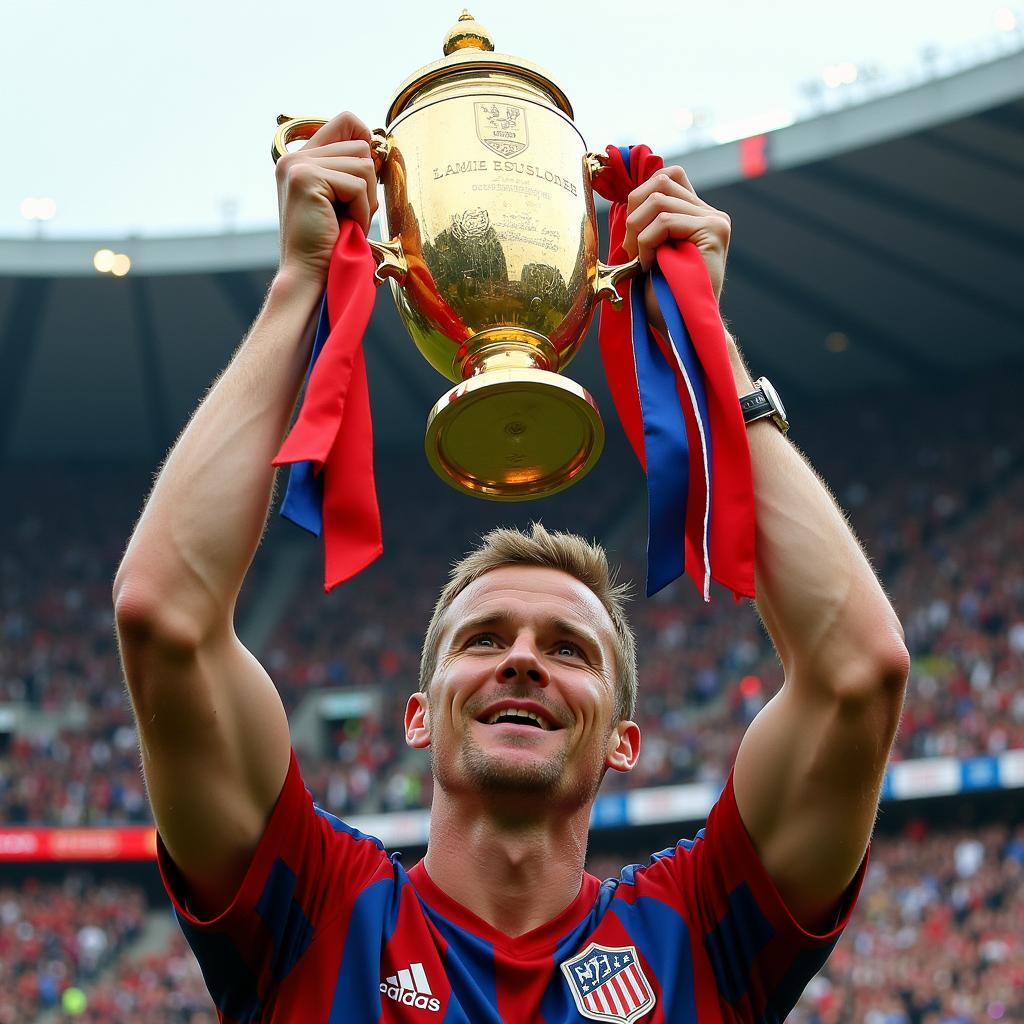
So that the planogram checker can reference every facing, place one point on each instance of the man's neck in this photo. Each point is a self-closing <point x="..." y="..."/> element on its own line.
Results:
<point x="515" y="875"/>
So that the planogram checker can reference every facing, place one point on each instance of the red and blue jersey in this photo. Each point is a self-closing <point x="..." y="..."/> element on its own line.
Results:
<point x="326" y="927"/>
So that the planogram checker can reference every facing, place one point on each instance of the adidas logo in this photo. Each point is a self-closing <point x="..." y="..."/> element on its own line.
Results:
<point x="411" y="988"/>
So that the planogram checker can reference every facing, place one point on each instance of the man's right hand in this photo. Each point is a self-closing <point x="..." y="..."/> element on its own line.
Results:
<point x="332" y="175"/>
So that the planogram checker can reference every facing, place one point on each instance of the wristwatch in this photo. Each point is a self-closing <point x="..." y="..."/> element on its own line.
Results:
<point x="762" y="402"/>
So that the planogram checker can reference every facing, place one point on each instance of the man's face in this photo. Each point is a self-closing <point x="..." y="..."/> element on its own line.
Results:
<point x="523" y="700"/>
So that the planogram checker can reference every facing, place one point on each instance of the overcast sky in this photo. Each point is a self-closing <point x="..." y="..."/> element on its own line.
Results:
<point x="147" y="118"/>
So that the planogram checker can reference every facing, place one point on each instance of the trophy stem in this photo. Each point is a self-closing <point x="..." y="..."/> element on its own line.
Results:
<point x="505" y="348"/>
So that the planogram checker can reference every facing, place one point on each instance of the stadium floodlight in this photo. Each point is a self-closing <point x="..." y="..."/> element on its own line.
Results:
<point x="103" y="260"/>
<point x="106" y="261"/>
<point x="1006" y="20"/>
<point x="38" y="208"/>
<point x="836" y="75"/>
<point x="684" y="118"/>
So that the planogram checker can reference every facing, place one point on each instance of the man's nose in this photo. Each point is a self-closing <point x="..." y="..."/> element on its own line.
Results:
<point x="521" y="664"/>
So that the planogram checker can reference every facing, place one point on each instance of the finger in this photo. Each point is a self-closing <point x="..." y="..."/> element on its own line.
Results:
<point x="682" y="177"/>
<point x="669" y="180"/>
<point x="350" y="147"/>
<point x="362" y="167"/>
<point x="306" y="180"/>
<point x="355" y="148"/>
<point x="681" y="226"/>
<point x="651" y="207"/>
<point x="350" y="191"/>
<point x="341" y="128"/>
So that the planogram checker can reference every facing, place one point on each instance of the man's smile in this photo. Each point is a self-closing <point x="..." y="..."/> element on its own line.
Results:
<point x="519" y="714"/>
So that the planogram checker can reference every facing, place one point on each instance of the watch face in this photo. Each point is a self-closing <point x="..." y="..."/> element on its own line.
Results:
<point x="773" y="396"/>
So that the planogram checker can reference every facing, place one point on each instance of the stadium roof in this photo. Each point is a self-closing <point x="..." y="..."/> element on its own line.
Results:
<point x="881" y="245"/>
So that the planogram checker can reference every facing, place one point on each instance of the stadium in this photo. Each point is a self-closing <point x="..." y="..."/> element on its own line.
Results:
<point x="873" y="275"/>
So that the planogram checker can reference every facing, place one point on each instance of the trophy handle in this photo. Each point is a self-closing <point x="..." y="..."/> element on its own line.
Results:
<point x="595" y="163"/>
<point x="608" y="277"/>
<point x="391" y="261"/>
<point x="380" y="149"/>
<point x="292" y="128"/>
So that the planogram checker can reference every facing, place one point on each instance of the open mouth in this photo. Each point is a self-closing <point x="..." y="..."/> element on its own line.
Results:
<point x="514" y="716"/>
<point x="523" y="717"/>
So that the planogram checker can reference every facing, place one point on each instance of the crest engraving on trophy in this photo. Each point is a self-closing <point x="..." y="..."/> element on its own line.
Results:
<point x="474" y="223"/>
<point x="501" y="127"/>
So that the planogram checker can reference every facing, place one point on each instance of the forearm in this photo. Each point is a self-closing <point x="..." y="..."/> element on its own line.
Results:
<point x="202" y="523"/>
<point x="816" y="591"/>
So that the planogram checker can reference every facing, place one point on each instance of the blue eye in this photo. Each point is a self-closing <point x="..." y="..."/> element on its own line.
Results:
<point x="567" y="649"/>
<point x="483" y="639"/>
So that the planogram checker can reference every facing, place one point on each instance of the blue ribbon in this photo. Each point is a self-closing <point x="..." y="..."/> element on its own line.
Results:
<point x="666" y="448"/>
<point x="693" y="375"/>
<point x="304" y="495"/>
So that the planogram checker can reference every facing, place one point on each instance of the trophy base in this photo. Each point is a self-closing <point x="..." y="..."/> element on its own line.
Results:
<point x="514" y="435"/>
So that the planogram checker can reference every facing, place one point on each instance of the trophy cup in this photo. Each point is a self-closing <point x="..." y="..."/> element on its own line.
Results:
<point x="493" y="262"/>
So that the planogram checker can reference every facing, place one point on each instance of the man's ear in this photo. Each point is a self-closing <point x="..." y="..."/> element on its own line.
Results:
<point x="623" y="746"/>
<point x="417" y="721"/>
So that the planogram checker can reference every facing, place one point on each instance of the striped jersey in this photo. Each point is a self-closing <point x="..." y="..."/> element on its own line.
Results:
<point x="327" y="927"/>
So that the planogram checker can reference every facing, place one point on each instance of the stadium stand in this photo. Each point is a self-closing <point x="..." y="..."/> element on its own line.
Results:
<point x="934" y="506"/>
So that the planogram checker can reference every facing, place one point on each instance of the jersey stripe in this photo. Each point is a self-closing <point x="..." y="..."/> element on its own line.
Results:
<point x="360" y="959"/>
<point x="289" y="928"/>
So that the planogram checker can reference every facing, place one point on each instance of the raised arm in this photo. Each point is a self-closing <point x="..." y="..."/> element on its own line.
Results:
<point x="809" y="770"/>
<point x="212" y="729"/>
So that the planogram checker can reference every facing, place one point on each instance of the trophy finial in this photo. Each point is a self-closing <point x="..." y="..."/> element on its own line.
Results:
<point x="467" y="33"/>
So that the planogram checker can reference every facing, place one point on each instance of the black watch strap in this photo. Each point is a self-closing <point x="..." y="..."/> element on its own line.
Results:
<point x="755" y="406"/>
<point x="764" y="403"/>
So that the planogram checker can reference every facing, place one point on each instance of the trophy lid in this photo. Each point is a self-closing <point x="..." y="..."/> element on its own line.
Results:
<point x="468" y="46"/>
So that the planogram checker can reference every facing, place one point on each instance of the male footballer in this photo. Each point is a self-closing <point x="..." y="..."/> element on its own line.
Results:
<point x="527" y="690"/>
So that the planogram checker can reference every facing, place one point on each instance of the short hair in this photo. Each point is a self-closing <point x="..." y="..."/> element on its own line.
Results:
<point x="568" y="552"/>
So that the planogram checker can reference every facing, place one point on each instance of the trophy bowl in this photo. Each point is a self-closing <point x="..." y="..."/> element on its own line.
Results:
<point x="493" y="262"/>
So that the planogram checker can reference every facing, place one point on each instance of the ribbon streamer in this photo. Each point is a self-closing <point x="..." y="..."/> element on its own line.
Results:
<point x="331" y="490"/>
<point x="676" y="398"/>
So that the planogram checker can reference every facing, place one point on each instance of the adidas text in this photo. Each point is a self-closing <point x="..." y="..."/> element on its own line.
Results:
<point x="417" y="999"/>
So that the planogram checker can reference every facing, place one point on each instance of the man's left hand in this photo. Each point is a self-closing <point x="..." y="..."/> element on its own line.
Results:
<point x="666" y="207"/>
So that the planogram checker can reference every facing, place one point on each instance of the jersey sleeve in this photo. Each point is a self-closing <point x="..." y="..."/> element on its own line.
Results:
<point x="759" y="957"/>
<point x="305" y="874"/>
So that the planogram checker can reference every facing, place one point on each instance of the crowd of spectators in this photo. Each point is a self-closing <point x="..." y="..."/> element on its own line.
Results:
<point x="59" y="937"/>
<point x="934" y="500"/>
<point x="164" y="987"/>
<point x="937" y="938"/>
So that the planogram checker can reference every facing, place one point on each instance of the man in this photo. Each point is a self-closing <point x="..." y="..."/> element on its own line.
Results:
<point x="527" y="689"/>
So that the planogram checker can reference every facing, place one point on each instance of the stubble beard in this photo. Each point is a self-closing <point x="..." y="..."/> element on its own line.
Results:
<point x="473" y="768"/>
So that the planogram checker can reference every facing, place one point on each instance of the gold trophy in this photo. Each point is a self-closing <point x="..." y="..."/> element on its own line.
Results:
<point x="493" y="262"/>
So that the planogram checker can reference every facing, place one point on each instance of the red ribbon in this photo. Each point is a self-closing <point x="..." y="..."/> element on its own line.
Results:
<point x="333" y="430"/>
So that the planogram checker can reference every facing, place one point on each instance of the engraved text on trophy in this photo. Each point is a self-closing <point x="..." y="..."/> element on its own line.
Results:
<point x="501" y="127"/>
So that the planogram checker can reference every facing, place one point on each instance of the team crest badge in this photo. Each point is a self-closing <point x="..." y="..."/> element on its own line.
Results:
<point x="609" y="984"/>
<point x="501" y="127"/>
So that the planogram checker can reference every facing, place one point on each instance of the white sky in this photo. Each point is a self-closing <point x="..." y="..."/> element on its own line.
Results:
<point x="155" y="118"/>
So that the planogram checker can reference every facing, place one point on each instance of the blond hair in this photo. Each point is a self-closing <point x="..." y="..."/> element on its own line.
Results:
<point x="567" y="552"/>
